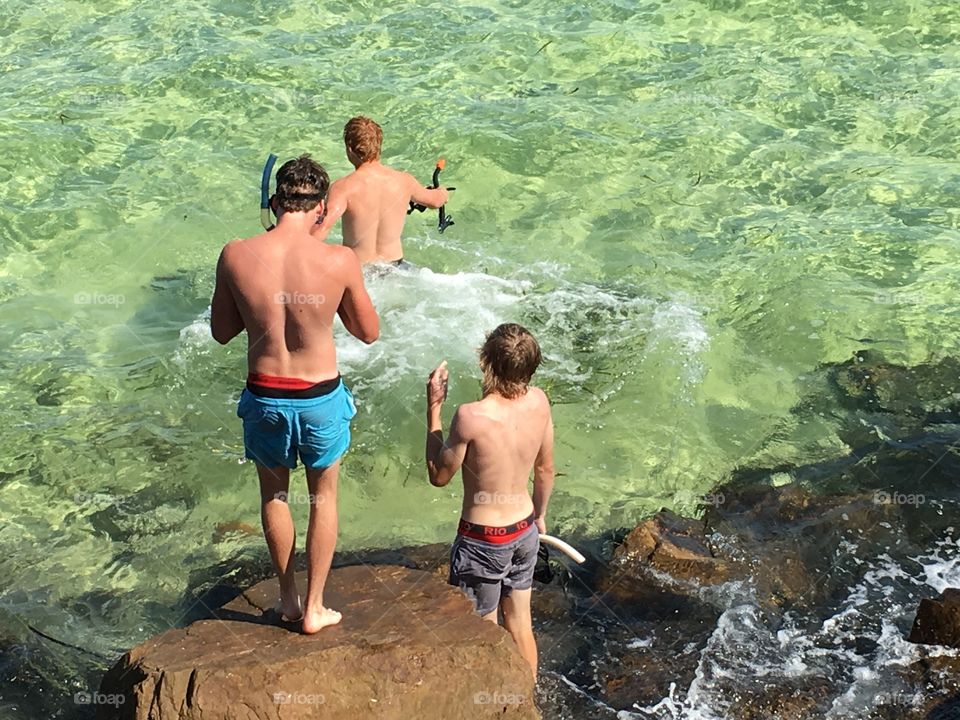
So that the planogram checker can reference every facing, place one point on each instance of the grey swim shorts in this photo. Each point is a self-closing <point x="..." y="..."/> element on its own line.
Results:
<point x="487" y="571"/>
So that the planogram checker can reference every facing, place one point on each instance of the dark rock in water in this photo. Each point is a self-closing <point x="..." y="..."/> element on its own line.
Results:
<point x="646" y="612"/>
<point x="784" y="538"/>
<point x="867" y="382"/>
<point x="674" y="545"/>
<point x="37" y="674"/>
<point x="938" y="621"/>
<point x="876" y="400"/>
<point x="783" y="699"/>
<point x="936" y="679"/>
<point x="409" y="646"/>
<point x="781" y="557"/>
<point x="643" y="675"/>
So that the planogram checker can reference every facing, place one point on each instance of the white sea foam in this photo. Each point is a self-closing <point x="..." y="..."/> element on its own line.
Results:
<point x="426" y="317"/>
<point x="679" y="323"/>
<point x="195" y="338"/>
<point x="639" y="642"/>
<point x="941" y="567"/>
<point x="743" y="646"/>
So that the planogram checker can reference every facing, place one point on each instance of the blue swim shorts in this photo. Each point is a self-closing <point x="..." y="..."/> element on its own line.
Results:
<point x="278" y="430"/>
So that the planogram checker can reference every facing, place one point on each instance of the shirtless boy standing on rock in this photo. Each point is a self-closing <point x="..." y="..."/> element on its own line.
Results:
<point x="373" y="199"/>
<point x="497" y="441"/>
<point x="284" y="288"/>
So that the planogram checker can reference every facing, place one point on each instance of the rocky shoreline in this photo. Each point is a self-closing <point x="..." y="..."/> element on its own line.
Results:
<point x="630" y="636"/>
<point x="790" y="595"/>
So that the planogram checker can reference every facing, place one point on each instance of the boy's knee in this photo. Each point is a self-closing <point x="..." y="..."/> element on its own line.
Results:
<point x="268" y="496"/>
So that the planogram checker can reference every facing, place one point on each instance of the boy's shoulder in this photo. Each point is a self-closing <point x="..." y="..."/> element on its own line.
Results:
<point x="359" y="178"/>
<point x="395" y="175"/>
<point x="478" y="411"/>
<point x="469" y="410"/>
<point x="238" y="248"/>
<point x="470" y="417"/>
<point x="538" y="395"/>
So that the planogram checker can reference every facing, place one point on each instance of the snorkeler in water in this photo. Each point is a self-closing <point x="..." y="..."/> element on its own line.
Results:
<point x="373" y="200"/>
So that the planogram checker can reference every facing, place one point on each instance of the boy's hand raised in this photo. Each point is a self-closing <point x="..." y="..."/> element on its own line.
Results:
<point x="437" y="386"/>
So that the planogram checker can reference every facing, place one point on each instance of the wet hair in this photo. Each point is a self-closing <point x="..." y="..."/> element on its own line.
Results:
<point x="301" y="184"/>
<point x="509" y="358"/>
<point x="363" y="137"/>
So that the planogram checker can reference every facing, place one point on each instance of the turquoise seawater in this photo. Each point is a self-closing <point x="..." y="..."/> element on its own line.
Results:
<point x="691" y="203"/>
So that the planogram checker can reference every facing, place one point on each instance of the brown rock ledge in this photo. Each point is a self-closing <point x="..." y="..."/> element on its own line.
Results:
<point x="409" y="646"/>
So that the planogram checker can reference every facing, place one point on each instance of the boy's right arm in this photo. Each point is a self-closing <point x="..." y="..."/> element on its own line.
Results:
<point x="356" y="308"/>
<point x="225" y="319"/>
<point x="431" y="197"/>
<point x="444" y="457"/>
<point x="336" y="207"/>
<point x="543" y="473"/>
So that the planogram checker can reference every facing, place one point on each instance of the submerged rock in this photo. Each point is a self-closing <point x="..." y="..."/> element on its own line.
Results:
<point x="224" y="530"/>
<point x="938" y="621"/>
<point x="674" y="545"/>
<point x="409" y="646"/>
<point x="868" y="382"/>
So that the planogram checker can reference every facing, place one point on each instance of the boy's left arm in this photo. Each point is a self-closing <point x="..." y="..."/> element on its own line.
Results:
<point x="430" y="197"/>
<point x="543" y="473"/>
<point x="443" y="458"/>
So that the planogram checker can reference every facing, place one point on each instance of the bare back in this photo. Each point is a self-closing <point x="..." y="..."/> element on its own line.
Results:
<point x="376" y="200"/>
<point x="287" y="287"/>
<point x="373" y="201"/>
<point x="504" y="440"/>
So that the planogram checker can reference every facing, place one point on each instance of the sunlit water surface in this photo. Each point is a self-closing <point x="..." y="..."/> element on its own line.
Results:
<point x="691" y="204"/>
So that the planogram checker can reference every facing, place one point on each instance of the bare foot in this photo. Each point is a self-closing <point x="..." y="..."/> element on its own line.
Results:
<point x="314" y="622"/>
<point x="290" y="611"/>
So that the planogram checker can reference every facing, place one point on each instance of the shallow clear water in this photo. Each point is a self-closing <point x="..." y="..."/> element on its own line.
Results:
<point x="692" y="204"/>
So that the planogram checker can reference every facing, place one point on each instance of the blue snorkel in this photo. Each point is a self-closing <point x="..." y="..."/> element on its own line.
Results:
<point x="265" y="219"/>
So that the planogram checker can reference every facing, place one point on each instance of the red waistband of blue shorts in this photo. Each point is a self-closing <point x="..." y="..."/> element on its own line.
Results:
<point x="273" y="386"/>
